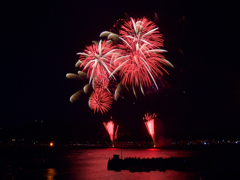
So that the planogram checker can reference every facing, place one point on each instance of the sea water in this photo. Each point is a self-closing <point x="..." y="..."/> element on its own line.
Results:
<point x="80" y="164"/>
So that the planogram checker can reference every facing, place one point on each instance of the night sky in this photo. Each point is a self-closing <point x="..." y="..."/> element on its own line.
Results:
<point x="40" y="39"/>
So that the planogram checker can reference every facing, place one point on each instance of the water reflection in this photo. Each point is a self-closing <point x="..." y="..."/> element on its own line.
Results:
<point x="92" y="164"/>
<point x="50" y="173"/>
<point x="81" y="164"/>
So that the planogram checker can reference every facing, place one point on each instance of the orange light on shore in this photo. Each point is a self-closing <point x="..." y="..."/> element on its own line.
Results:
<point x="51" y="144"/>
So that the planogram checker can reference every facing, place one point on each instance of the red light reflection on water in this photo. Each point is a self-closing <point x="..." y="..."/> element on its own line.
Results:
<point x="92" y="164"/>
<point x="153" y="149"/>
<point x="110" y="149"/>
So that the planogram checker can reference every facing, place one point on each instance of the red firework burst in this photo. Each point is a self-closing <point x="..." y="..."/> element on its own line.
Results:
<point x="141" y="66"/>
<point x="140" y="62"/>
<point x="96" y="60"/>
<point x="141" y="31"/>
<point x="100" y="100"/>
<point x="135" y="53"/>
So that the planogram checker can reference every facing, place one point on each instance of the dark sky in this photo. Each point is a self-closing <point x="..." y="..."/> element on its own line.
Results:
<point x="40" y="40"/>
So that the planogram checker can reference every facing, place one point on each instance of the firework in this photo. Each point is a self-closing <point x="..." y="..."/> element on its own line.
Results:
<point x="141" y="60"/>
<point x="96" y="61"/>
<point x="141" y="31"/>
<point x="100" y="100"/>
<point x="133" y="54"/>
<point x="109" y="126"/>
<point x="149" y="123"/>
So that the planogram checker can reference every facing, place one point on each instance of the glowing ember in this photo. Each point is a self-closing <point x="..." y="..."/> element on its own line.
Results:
<point x="149" y="123"/>
<point x="109" y="126"/>
<point x="51" y="144"/>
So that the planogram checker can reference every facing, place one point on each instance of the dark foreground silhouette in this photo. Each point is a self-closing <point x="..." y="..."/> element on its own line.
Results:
<point x="206" y="166"/>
